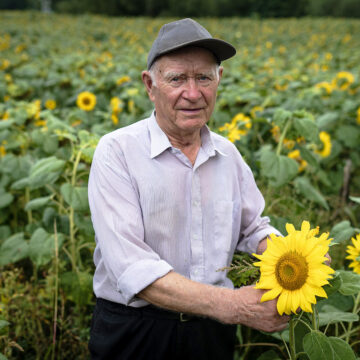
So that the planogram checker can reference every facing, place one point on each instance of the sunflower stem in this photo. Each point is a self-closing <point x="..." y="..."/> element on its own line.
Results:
<point x="292" y="339"/>
<point x="313" y="318"/>
<point x="286" y="347"/>
<point x="355" y="310"/>
<point x="282" y="137"/>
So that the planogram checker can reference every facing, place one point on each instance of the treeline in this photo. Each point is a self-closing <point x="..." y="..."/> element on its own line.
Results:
<point x="195" y="8"/>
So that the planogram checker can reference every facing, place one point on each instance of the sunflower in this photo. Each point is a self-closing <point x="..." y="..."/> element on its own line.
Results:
<point x="86" y="101"/>
<point x="326" y="140"/>
<point x="50" y="104"/>
<point x="343" y="80"/>
<point x="292" y="267"/>
<point x="354" y="254"/>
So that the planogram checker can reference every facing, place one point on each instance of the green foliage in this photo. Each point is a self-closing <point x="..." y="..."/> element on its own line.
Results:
<point x="242" y="272"/>
<point x="291" y="81"/>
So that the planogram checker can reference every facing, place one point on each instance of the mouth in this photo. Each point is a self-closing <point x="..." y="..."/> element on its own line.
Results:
<point x="191" y="111"/>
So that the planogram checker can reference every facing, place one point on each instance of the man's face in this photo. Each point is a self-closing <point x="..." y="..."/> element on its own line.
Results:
<point x="185" y="91"/>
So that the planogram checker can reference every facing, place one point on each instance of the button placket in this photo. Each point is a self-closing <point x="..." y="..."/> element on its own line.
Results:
<point x="197" y="246"/>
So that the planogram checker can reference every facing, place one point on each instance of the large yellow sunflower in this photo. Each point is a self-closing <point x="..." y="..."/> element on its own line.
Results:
<point x="292" y="267"/>
<point x="86" y="101"/>
<point x="354" y="254"/>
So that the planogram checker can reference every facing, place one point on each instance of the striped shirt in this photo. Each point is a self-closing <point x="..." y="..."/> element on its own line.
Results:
<point x="153" y="211"/>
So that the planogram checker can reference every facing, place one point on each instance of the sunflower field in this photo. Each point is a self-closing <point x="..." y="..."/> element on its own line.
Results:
<point x="289" y="100"/>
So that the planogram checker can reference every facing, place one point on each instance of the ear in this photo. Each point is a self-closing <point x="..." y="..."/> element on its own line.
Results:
<point x="147" y="80"/>
<point x="220" y="73"/>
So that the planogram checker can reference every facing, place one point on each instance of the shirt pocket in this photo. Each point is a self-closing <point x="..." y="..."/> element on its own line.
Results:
<point x="225" y="225"/>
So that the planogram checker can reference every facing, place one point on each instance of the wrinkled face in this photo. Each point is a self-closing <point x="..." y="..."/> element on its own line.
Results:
<point x="184" y="91"/>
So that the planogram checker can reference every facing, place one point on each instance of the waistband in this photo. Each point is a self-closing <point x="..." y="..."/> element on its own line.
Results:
<point x="146" y="311"/>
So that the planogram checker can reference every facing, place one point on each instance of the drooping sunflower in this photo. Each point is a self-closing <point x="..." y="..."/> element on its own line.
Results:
<point x="86" y="101"/>
<point x="292" y="268"/>
<point x="327" y="145"/>
<point x="354" y="254"/>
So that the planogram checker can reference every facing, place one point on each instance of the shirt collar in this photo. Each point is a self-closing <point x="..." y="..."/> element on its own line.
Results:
<point x="160" y="142"/>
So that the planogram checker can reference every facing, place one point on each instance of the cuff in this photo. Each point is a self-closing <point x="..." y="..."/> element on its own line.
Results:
<point x="251" y="245"/>
<point x="140" y="275"/>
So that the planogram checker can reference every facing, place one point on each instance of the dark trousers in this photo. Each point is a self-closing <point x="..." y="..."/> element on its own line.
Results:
<point x="120" y="332"/>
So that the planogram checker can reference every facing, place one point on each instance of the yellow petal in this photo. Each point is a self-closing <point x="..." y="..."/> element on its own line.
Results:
<point x="272" y="294"/>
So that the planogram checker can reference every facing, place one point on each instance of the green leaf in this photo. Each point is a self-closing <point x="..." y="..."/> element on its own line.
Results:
<point x="5" y="124"/>
<point x="355" y="199"/>
<point x="37" y="203"/>
<point x="42" y="247"/>
<point x="46" y="165"/>
<point x="278" y="169"/>
<point x="3" y="357"/>
<point x="306" y="127"/>
<point x="45" y="171"/>
<point x="341" y="349"/>
<point x="334" y="284"/>
<point x="327" y="120"/>
<point x="308" y="156"/>
<point x="317" y="346"/>
<point x="349" y="135"/>
<point x="16" y="166"/>
<point x="76" y="197"/>
<point x="350" y="282"/>
<point x="3" y="324"/>
<point x="300" y="331"/>
<point x="303" y="185"/>
<point x="281" y="117"/>
<point x="330" y="315"/>
<point x="13" y="249"/>
<point x="342" y="231"/>
<point x="337" y="300"/>
<point x="5" y="232"/>
<point x="5" y="198"/>
<point x="51" y="144"/>
<point x="20" y="184"/>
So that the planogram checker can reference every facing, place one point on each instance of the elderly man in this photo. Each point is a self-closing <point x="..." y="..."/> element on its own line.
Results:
<point x="171" y="202"/>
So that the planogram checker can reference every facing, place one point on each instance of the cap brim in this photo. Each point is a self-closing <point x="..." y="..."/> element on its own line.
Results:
<point x="221" y="49"/>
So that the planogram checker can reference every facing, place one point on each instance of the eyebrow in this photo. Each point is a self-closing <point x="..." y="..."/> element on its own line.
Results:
<point x="172" y="74"/>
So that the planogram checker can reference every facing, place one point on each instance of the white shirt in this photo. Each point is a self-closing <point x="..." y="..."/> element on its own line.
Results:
<point x="153" y="211"/>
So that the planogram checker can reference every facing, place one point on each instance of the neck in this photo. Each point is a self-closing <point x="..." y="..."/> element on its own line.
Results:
<point x="188" y="142"/>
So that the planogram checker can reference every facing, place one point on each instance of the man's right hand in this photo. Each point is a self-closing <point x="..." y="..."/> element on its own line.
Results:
<point x="177" y="293"/>
<point x="243" y="306"/>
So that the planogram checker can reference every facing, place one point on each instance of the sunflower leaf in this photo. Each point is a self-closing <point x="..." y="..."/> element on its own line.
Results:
<point x="330" y="315"/>
<point x="279" y="169"/>
<point x="317" y="346"/>
<point x="303" y="185"/>
<point x="341" y="232"/>
<point x="350" y="283"/>
<point x="355" y="199"/>
<point x="341" y="349"/>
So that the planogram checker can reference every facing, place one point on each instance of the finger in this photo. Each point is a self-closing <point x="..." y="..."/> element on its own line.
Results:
<point x="328" y="262"/>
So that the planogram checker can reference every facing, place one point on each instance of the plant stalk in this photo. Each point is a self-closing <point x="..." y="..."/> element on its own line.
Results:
<point x="282" y="137"/>
<point x="292" y="339"/>
<point x="355" y="310"/>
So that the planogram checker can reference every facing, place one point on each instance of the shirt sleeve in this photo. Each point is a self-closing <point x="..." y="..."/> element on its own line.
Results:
<point x="254" y="226"/>
<point x="117" y="219"/>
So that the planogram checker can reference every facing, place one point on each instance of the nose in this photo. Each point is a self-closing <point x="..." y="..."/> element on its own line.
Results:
<point x="192" y="90"/>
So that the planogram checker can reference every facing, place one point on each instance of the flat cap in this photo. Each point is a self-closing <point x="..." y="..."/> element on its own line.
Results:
<point x="187" y="32"/>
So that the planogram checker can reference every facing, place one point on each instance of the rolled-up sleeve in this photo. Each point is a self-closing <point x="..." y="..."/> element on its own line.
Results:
<point x="254" y="226"/>
<point x="130" y="263"/>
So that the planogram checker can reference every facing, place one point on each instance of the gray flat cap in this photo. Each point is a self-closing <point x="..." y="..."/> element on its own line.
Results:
<point x="186" y="32"/>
